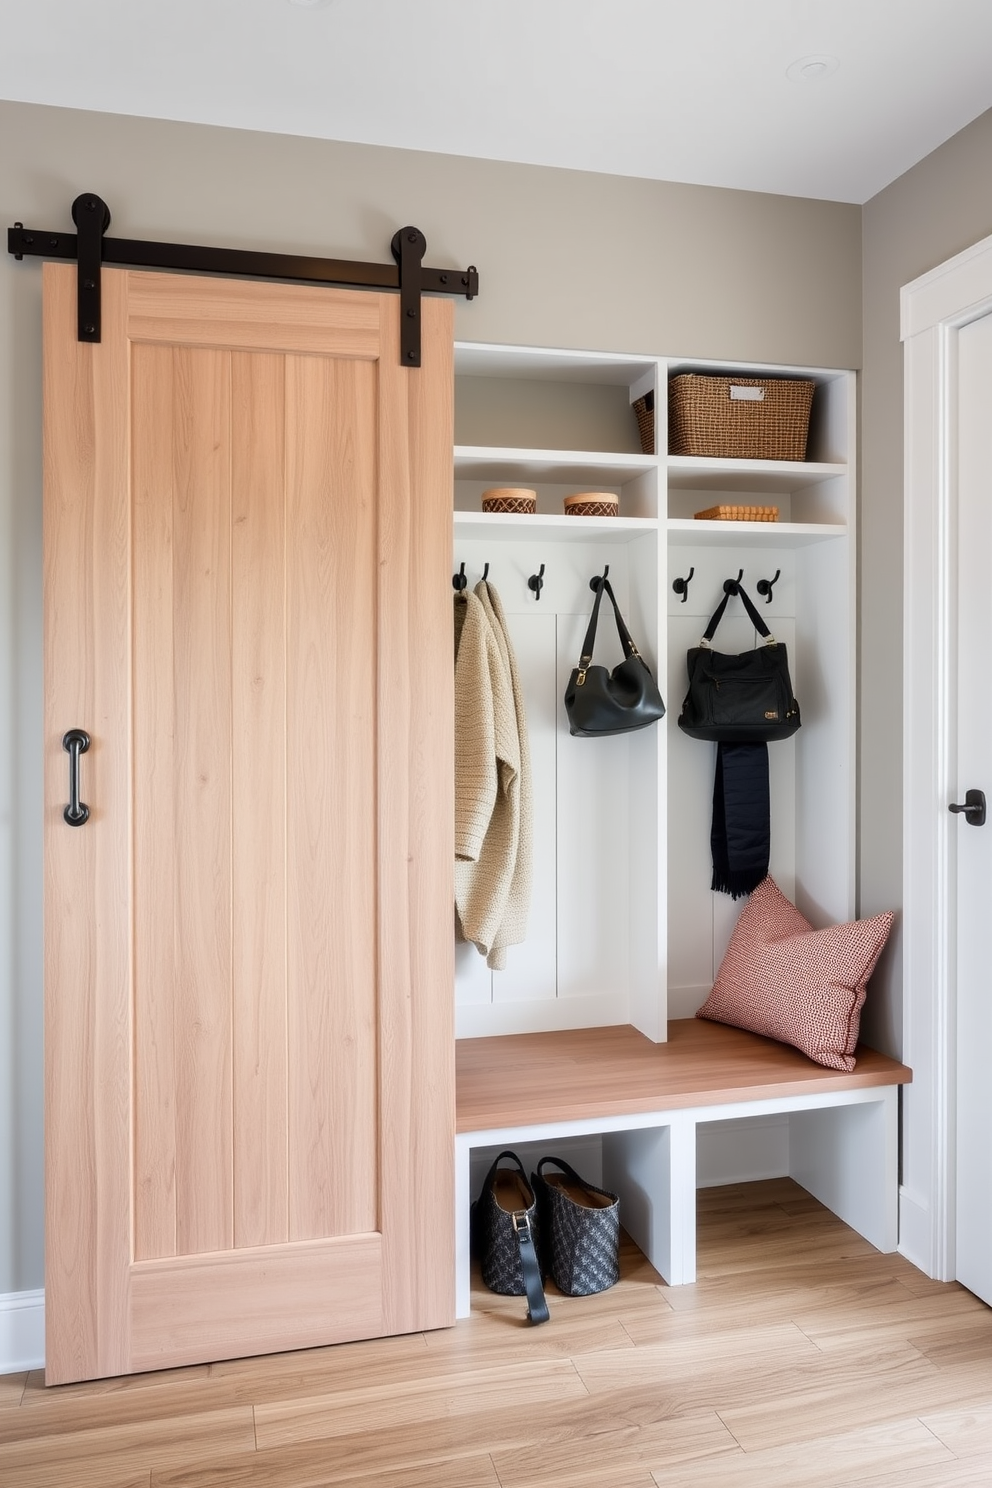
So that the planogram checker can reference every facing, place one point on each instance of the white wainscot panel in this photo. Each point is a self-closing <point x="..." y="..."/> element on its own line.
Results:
<point x="531" y="971"/>
<point x="593" y="837"/>
<point x="701" y="922"/>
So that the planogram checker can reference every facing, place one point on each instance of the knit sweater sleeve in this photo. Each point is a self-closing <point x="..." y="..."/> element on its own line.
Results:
<point x="476" y="779"/>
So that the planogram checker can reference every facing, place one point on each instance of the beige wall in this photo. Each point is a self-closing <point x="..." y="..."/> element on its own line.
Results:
<point x="566" y="259"/>
<point x="942" y="205"/>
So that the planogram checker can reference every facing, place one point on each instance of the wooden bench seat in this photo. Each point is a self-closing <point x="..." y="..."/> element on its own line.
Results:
<point x="648" y="1099"/>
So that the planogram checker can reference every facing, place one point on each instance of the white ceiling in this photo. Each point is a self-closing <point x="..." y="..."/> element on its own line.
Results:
<point x="680" y="90"/>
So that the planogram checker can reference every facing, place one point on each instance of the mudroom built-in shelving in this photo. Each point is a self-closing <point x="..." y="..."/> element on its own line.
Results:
<point x="623" y="925"/>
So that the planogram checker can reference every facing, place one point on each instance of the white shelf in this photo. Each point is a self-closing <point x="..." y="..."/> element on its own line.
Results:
<point x="686" y="532"/>
<point x="705" y="473"/>
<point x="519" y="528"/>
<point x="540" y="364"/>
<point x="550" y="467"/>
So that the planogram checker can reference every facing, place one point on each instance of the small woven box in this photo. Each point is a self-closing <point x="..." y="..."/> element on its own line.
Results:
<point x="743" y="418"/>
<point x="737" y="514"/>
<point x="592" y="504"/>
<point x="510" y="499"/>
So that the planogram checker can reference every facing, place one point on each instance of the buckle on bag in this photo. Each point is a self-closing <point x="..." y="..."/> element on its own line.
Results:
<point x="521" y="1223"/>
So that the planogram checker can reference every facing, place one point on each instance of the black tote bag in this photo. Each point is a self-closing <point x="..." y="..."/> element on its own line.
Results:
<point x="743" y="699"/>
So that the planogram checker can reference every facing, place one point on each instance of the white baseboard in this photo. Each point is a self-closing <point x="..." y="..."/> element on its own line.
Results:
<point x="22" y="1331"/>
<point x="916" y="1234"/>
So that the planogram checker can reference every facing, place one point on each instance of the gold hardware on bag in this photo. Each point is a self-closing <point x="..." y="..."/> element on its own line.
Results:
<point x="580" y="679"/>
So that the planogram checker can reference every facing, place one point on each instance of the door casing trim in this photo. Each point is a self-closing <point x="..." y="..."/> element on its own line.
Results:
<point x="934" y="307"/>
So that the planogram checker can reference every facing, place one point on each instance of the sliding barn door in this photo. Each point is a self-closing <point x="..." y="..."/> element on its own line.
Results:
<point x="249" y="1044"/>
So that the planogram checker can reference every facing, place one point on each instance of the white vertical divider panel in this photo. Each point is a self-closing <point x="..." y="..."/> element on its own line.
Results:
<point x="531" y="969"/>
<point x="825" y="785"/>
<point x="593" y="820"/>
<point x="689" y="796"/>
<point x="647" y="927"/>
<point x="847" y="1156"/>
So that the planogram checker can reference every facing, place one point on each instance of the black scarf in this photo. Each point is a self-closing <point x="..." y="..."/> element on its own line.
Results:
<point x="741" y="818"/>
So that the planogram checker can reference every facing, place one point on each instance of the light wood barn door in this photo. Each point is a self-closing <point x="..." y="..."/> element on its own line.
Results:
<point x="249" y="1041"/>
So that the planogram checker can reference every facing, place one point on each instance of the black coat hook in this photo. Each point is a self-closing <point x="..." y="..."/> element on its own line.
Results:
<point x="765" y="586"/>
<point x="731" y="586"/>
<point x="536" y="582"/>
<point x="598" y="579"/>
<point x="458" y="580"/>
<point x="681" y="586"/>
<point x="485" y="573"/>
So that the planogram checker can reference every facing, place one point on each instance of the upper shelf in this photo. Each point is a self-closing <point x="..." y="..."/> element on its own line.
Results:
<point x="686" y="532"/>
<point x="554" y="527"/>
<point x="704" y="473"/>
<point x="551" y="467"/>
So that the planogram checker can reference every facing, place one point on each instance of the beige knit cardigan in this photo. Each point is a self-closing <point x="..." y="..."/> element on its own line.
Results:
<point x="493" y="832"/>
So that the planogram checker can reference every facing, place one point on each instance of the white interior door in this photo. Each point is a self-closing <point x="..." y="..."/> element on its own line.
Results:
<point x="974" y="841"/>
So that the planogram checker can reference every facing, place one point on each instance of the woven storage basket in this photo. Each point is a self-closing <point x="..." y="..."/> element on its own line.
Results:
<point x="510" y="499"/>
<point x="644" y="412"/>
<point x="744" y="418"/>
<point x="592" y="504"/>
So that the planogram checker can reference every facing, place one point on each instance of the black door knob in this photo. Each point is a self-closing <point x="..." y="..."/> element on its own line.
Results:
<point x="973" y="808"/>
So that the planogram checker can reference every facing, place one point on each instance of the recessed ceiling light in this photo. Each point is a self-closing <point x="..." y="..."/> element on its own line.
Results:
<point x="812" y="69"/>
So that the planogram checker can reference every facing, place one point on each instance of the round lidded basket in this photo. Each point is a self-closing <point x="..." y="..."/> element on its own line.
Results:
<point x="510" y="499"/>
<point x="592" y="504"/>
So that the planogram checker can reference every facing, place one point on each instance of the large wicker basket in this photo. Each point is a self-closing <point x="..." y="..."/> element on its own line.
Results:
<point x="644" y="413"/>
<point x="744" y="418"/>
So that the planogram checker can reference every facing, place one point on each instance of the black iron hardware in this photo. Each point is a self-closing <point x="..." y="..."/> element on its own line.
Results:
<point x="681" y="586"/>
<point x="597" y="579"/>
<point x="973" y="808"/>
<point x="92" y="217"/>
<point x="731" y="586"/>
<point x="536" y="582"/>
<point x="765" y="586"/>
<point x="91" y="249"/>
<point x="458" y="580"/>
<point x="409" y="246"/>
<point x="75" y="743"/>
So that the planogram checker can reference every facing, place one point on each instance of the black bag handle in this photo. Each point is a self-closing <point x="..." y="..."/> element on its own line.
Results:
<point x="629" y="649"/>
<point x="733" y="586"/>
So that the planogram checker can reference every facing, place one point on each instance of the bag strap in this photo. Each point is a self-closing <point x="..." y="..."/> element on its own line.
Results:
<point x="733" y="586"/>
<point x="626" y="641"/>
<point x="537" y="1305"/>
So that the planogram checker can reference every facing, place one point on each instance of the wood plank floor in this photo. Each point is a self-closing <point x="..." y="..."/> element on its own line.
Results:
<point x="800" y="1357"/>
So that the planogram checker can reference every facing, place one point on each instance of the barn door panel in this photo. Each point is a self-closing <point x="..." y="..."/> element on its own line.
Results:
<point x="248" y="947"/>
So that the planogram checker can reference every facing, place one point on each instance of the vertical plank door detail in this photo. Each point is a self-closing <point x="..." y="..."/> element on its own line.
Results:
<point x="249" y="1011"/>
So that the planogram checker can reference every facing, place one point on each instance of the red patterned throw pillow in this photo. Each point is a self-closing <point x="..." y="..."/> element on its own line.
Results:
<point x="805" y="987"/>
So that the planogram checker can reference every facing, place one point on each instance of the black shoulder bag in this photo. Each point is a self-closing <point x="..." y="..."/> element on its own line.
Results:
<point x="744" y="699"/>
<point x="602" y="702"/>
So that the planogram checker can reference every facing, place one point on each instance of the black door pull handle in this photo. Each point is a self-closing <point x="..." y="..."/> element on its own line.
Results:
<point x="973" y="808"/>
<point x="75" y="743"/>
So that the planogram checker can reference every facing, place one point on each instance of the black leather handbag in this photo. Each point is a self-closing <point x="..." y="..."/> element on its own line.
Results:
<point x="601" y="702"/>
<point x="743" y="699"/>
